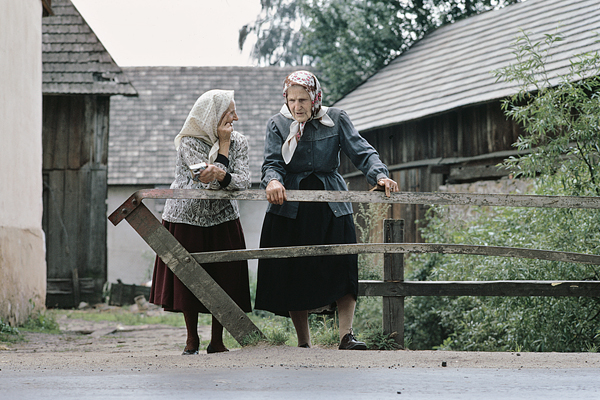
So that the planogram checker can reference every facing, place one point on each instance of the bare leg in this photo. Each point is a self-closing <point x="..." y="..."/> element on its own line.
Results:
<point x="300" y="320"/>
<point x="191" y="324"/>
<point x="216" y="339"/>
<point x="346" y="306"/>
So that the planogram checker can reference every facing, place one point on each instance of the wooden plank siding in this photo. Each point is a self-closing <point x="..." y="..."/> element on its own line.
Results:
<point x="462" y="133"/>
<point x="75" y="147"/>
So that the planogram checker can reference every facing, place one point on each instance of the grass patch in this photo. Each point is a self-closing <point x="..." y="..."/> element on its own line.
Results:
<point x="376" y="339"/>
<point x="41" y="321"/>
<point x="252" y="339"/>
<point x="38" y="321"/>
<point x="324" y="330"/>
<point x="277" y="331"/>
<point x="126" y="317"/>
<point x="9" y="334"/>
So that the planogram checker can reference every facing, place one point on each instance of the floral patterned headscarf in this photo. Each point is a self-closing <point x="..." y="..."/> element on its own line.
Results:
<point x="311" y="84"/>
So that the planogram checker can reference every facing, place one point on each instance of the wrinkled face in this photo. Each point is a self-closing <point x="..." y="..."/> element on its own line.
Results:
<point x="230" y="115"/>
<point x="299" y="103"/>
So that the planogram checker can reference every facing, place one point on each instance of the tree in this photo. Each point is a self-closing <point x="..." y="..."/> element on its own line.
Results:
<point x="278" y="31"/>
<point x="349" y="40"/>
<point x="560" y="116"/>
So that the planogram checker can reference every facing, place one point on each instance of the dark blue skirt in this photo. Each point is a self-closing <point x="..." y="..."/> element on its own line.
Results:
<point x="306" y="283"/>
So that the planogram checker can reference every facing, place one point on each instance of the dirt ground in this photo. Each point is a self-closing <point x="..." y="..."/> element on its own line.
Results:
<point x="107" y="346"/>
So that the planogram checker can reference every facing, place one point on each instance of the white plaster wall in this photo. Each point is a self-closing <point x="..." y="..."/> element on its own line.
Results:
<point x="131" y="260"/>
<point x="22" y="252"/>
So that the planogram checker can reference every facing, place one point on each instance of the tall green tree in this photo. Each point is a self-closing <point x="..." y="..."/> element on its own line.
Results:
<point x="349" y="40"/>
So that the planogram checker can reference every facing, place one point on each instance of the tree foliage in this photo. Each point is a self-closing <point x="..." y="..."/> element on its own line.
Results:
<point x="349" y="40"/>
<point x="559" y="114"/>
<point x="561" y="120"/>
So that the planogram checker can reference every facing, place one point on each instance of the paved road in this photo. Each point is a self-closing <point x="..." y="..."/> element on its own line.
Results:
<point x="305" y="383"/>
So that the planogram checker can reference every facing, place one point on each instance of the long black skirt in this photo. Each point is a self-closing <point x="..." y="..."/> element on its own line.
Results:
<point x="306" y="283"/>
<point x="170" y="293"/>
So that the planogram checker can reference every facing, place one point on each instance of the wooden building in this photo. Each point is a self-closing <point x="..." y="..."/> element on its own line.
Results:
<point x="434" y="113"/>
<point x="79" y="76"/>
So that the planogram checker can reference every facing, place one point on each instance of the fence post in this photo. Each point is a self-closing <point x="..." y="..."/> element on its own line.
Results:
<point x="393" y="271"/>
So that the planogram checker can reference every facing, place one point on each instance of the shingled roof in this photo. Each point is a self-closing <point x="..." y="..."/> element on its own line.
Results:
<point x="74" y="60"/>
<point x="142" y="129"/>
<point x="451" y="67"/>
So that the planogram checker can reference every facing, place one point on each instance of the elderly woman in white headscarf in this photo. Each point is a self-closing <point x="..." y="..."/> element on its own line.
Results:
<point x="207" y="137"/>
<point x="302" y="149"/>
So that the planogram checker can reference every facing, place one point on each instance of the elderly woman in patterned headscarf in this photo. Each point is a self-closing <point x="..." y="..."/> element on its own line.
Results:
<point x="302" y="147"/>
<point x="207" y="137"/>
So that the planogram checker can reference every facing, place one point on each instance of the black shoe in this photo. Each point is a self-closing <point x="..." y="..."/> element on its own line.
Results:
<point x="349" y="342"/>
<point x="190" y="352"/>
<point x="211" y="350"/>
<point x="305" y="345"/>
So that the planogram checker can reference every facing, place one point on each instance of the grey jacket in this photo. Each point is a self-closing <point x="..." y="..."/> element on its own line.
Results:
<point x="318" y="152"/>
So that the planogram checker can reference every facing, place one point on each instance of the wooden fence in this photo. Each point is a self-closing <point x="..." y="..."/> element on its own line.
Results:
<point x="393" y="288"/>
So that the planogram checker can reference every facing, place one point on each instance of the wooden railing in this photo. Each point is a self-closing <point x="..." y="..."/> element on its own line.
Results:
<point x="393" y="288"/>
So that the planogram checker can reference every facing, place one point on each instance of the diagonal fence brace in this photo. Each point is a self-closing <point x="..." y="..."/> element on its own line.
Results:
<point x="186" y="268"/>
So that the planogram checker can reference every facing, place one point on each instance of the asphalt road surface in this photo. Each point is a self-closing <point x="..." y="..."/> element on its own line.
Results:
<point x="306" y="383"/>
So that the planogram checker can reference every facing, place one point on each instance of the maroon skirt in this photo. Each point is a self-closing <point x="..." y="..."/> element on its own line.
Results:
<point x="168" y="291"/>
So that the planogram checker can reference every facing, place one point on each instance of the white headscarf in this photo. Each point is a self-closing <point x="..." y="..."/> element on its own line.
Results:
<point x="203" y="120"/>
<point x="311" y="84"/>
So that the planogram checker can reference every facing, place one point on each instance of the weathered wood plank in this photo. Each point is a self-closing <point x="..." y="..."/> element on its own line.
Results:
<point x="75" y="132"/>
<point x="65" y="286"/>
<point x="393" y="271"/>
<point x="97" y="225"/>
<point x="364" y="248"/>
<point x="185" y="267"/>
<point x="481" y="288"/>
<point x="476" y="172"/>
<point x="51" y="121"/>
<point x="54" y="229"/>
<point x="75" y="220"/>
<point x="501" y="200"/>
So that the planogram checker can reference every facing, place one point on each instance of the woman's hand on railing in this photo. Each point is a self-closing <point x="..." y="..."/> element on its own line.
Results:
<point x="388" y="185"/>
<point x="276" y="192"/>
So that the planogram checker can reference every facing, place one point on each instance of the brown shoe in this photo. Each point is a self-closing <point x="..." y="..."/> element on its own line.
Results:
<point x="349" y="342"/>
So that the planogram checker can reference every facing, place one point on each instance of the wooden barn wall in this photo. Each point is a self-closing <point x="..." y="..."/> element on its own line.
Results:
<point x="75" y="155"/>
<point x="466" y="132"/>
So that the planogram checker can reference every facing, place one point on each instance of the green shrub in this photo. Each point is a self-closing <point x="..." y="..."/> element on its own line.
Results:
<point x="376" y="339"/>
<point x="324" y="330"/>
<point x="8" y="333"/>
<point x="506" y="323"/>
<point x="41" y="321"/>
